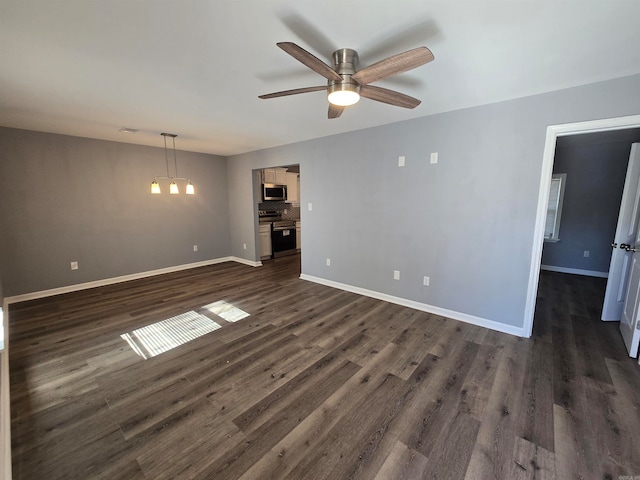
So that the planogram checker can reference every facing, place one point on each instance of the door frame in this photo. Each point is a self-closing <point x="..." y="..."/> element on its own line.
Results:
<point x="553" y="132"/>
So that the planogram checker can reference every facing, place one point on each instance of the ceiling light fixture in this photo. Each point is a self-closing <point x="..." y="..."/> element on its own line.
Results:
<point x="344" y="94"/>
<point x="173" y="186"/>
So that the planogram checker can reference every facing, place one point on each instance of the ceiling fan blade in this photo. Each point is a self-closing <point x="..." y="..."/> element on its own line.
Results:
<point x="390" y="97"/>
<point x="335" y="111"/>
<point x="393" y="65"/>
<point x="295" y="91"/>
<point x="310" y="60"/>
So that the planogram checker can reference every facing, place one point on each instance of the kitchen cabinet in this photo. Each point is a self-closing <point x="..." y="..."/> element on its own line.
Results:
<point x="293" y="192"/>
<point x="298" y="240"/>
<point x="274" y="175"/>
<point x="264" y="234"/>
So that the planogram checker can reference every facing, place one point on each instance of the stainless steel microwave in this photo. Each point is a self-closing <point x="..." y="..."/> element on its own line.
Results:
<point x="271" y="191"/>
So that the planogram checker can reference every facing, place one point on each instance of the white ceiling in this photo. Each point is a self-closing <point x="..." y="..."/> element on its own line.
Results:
<point x="196" y="68"/>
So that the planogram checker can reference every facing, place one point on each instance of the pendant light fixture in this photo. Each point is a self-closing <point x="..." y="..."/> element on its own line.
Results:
<point x="173" y="186"/>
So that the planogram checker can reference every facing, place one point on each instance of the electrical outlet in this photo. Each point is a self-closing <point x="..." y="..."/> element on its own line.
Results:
<point x="425" y="281"/>
<point x="401" y="161"/>
<point x="195" y="248"/>
<point x="74" y="265"/>
<point x="586" y="253"/>
<point x="328" y="262"/>
<point x="396" y="274"/>
<point x="285" y="211"/>
<point x="434" y="157"/>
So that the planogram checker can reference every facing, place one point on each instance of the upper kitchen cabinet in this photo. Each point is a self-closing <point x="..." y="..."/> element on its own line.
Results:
<point x="293" y="190"/>
<point x="274" y="175"/>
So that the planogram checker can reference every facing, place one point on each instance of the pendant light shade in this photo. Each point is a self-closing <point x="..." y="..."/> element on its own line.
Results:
<point x="173" y="186"/>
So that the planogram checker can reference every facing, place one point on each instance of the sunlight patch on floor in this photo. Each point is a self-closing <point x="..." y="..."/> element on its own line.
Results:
<point x="226" y="311"/>
<point x="162" y="336"/>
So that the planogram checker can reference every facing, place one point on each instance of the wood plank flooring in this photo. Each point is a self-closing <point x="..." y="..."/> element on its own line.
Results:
<point x="317" y="383"/>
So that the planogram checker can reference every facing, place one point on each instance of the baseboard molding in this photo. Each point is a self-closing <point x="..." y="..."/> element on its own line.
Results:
<point x="244" y="261"/>
<point x="5" y="401"/>
<point x="463" y="317"/>
<point x="575" y="271"/>
<point x="124" y="278"/>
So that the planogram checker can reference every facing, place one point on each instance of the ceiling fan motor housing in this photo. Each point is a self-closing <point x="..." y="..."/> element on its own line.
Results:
<point x="345" y="61"/>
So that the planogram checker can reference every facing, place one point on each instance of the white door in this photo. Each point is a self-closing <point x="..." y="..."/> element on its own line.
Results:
<point x="630" y="312"/>
<point x="629" y="320"/>
<point x="620" y="267"/>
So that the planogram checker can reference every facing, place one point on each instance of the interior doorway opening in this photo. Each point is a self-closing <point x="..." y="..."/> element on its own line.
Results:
<point x="277" y="212"/>
<point x="553" y="133"/>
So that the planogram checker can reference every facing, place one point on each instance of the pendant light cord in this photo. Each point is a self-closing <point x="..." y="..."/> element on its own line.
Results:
<point x="175" y="162"/>
<point x="166" y="158"/>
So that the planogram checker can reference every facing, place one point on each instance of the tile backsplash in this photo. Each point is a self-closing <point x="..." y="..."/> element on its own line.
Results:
<point x="293" y="213"/>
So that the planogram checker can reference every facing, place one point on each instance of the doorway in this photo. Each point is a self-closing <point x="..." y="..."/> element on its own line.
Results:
<point x="277" y="209"/>
<point x="553" y="132"/>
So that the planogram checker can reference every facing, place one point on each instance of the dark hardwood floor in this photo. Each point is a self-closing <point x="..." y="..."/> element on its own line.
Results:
<point x="317" y="383"/>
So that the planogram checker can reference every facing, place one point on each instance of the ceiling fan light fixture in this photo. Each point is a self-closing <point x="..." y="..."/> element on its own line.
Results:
<point x="344" y="94"/>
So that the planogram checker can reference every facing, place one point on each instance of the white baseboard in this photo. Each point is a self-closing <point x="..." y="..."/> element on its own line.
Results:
<point x="5" y="402"/>
<point x="463" y="317"/>
<point x="575" y="271"/>
<point x="124" y="278"/>
<point x="244" y="261"/>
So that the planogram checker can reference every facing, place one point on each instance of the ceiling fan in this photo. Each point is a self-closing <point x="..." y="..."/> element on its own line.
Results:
<point x="346" y="84"/>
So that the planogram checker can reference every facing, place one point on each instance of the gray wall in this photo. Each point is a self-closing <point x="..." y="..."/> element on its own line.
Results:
<point x="466" y="222"/>
<point x="595" y="179"/>
<point x="66" y="199"/>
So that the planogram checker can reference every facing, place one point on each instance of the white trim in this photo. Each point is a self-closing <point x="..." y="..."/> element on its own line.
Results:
<point x="575" y="271"/>
<point x="5" y="401"/>
<point x="244" y="261"/>
<point x="124" y="278"/>
<point x="555" y="235"/>
<point x="463" y="317"/>
<point x="553" y="132"/>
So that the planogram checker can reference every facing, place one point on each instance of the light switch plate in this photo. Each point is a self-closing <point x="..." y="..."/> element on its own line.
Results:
<point x="396" y="274"/>
<point x="434" y="157"/>
<point x="401" y="161"/>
